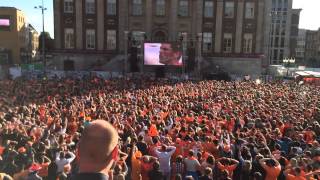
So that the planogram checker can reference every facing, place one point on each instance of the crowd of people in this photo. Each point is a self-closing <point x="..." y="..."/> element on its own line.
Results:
<point x="165" y="129"/>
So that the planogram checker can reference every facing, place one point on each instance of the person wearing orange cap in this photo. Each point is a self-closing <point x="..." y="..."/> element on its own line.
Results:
<point x="135" y="163"/>
<point x="34" y="169"/>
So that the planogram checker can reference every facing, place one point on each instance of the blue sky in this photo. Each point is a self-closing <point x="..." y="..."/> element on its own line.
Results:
<point x="34" y="15"/>
<point x="307" y="19"/>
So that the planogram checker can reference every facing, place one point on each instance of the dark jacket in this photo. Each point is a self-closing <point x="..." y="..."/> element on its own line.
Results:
<point x="91" y="176"/>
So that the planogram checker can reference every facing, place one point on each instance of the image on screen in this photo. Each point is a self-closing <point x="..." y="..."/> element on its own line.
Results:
<point x="4" y="22"/>
<point x="161" y="54"/>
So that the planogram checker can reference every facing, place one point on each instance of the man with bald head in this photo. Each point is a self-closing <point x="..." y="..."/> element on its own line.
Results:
<point x="98" y="151"/>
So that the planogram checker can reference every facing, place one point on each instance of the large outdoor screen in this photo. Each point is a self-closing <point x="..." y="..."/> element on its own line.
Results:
<point x="5" y="22"/>
<point x="161" y="54"/>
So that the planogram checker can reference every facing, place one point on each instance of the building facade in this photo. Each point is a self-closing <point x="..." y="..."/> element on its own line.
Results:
<point x="294" y="32"/>
<point x="312" y="50"/>
<point x="281" y="30"/>
<point x="301" y="45"/>
<point x="33" y="43"/>
<point x="13" y="43"/>
<point x="89" y="32"/>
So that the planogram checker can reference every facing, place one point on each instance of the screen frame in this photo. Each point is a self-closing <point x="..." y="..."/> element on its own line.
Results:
<point x="11" y="23"/>
<point x="145" y="44"/>
<point x="4" y="21"/>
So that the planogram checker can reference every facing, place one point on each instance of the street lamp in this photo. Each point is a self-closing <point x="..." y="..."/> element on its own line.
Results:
<point x="184" y="48"/>
<point x="42" y="8"/>
<point x="126" y="36"/>
<point x="272" y="15"/>
<point x="199" y="40"/>
<point x="142" y="40"/>
<point x="287" y="62"/>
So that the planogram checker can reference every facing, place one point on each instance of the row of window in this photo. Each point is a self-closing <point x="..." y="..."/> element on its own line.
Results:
<point x="277" y="55"/>
<point x="279" y="3"/>
<point x="69" y="40"/>
<point x="277" y="42"/>
<point x="112" y="40"/>
<point x="227" y="42"/>
<point x="229" y="9"/>
<point x="90" y="7"/>
<point x="137" y="8"/>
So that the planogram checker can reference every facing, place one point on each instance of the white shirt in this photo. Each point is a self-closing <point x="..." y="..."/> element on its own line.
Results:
<point x="191" y="164"/>
<point x="164" y="158"/>
<point x="62" y="162"/>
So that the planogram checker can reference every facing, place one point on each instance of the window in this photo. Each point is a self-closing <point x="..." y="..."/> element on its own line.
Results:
<point x="282" y="42"/>
<point x="111" y="39"/>
<point x="160" y="7"/>
<point x="208" y="9"/>
<point x="247" y="43"/>
<point x="229" y="10"/>
<point x="277" y="29"/>
<point x="275" y="54"/>
<point x="274" y="5"/>
<point x="90" y="39"/>
<point x="281" y="54"/>
<point x="112" y="7"/>
<point x="227" y="43"/>
<point x="207" y="42"/>
<point x="182" y="35"/>
<point x="137" y="7"/>
<point x="90" y="7"/>
<point x="279" y="4"/>
<point x="276" y="43"/>
<point x="249" y="10"/>
<point x="68" y="6"/>
<point x="69" y="38"/>
<point x="137" y="37"/>
<point x="183" y="8"/>
<point x="285" y="4"/>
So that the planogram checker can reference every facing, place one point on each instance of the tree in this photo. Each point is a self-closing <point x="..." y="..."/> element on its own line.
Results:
<point x="49" y="45"/>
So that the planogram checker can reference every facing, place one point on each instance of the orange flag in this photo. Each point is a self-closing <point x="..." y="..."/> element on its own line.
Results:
<point x="153" y="130"/>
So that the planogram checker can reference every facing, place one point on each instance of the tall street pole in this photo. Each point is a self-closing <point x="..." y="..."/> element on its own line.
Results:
<point x="43" y="37"/>
<point x="126" y="35"/>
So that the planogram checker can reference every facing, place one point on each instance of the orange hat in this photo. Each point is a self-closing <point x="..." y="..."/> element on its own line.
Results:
<point x="35" y="167"/>
<point x="22" y="150"/>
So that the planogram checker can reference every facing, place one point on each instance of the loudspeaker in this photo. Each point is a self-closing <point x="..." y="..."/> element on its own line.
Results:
<point x="134" y="61"/>
<point x="191" y="61"/>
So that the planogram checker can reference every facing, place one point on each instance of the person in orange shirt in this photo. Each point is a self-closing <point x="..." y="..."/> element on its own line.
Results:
<point x="135" y="163"/>
<point x="227" y="164"/>
<point x="297" y="174"/>
<point x="272" y="168"/>
<point x="146" y="165"/>
<point x="44" y="163"/>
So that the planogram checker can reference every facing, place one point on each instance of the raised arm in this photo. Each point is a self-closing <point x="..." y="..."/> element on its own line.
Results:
<point x="73" y="156"/>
